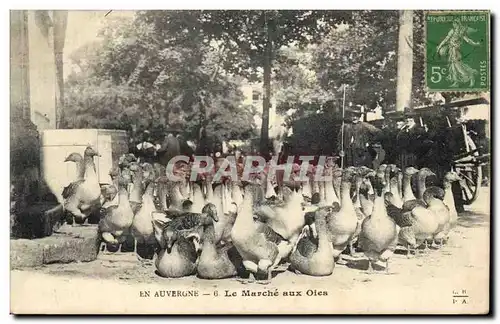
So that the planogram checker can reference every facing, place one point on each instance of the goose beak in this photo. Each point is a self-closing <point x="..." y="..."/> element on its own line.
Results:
<point x="66" y="160"/>
<point x="214" y="216"/>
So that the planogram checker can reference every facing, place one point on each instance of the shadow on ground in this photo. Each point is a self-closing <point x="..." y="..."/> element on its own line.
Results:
<point x="471" y="219"/>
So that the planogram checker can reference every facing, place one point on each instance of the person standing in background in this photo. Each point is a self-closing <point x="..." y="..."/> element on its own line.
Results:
<point x="409" y="140"/>
<point x="184" y="147"/>
<point x="357" y="136"/>
<point x="169" y="148"/>
<point x="145" y="150"/>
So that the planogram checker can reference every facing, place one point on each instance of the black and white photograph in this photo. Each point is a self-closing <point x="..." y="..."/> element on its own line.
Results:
<point x="250" y="161"/>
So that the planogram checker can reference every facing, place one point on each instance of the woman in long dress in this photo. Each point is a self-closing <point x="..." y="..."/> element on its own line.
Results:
<point x="458" y="71"/>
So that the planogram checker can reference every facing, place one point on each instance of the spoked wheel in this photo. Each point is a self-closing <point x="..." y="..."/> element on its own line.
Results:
<point x="470" y="184"/>
<point x="470" y="171"/>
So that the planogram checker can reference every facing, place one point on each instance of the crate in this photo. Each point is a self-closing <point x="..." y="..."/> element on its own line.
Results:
<point x="57" y="144"/>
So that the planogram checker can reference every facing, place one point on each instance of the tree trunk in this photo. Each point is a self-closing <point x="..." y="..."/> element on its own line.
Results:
<point x="266" y="100"/>
<point x="405" y="60"/>
<point x="60" y="23"/>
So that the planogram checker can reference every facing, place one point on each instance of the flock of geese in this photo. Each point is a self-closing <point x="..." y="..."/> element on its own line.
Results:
<point x="250" y="229"/>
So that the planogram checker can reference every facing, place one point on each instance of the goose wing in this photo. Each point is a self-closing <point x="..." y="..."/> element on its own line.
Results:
<point x="435" y="192"/>
<point x="306" y="247"/>
<point x="401" y="217"/>
<point x="269" y="234"/>
<point x="70" y="189"/>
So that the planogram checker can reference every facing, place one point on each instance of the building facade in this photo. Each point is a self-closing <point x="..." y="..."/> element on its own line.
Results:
<point x="253" y="93"/>
<point x="36" y="85"/>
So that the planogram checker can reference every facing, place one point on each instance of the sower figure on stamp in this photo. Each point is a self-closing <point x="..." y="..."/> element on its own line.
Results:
<point x="357" y="136"/>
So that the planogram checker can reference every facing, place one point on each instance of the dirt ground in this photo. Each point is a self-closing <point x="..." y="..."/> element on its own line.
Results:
<point x="421" y="284"/>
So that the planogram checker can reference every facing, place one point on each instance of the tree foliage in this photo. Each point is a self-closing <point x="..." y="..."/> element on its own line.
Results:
<point x="363" y="56"/>
<point x="296" y="87"/>
<point x="251" y="38"/>
<point x="183" y="68"/>
<point x="139" y="75"/>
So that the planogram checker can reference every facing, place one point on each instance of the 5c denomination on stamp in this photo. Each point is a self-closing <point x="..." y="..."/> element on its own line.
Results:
<point x="457" y="50"/>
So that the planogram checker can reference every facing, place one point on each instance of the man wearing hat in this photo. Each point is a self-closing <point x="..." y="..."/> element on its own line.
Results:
<point x="395" y="122"/>
<point x="357" y="137"/>
<point x="409" y="139"/>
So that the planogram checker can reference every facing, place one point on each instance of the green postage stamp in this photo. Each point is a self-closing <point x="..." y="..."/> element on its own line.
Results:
<point x="457" y="50"/>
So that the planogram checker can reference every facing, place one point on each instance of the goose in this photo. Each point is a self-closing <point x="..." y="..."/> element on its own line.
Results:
<point x="217" y="262"/>
<point x="313" y="253"/>
<point x="220" y="201"/>
<point x="117" y="218"/>
<point x="142" y="224"/>
<point x="378" y="237"/>
<point x="236" y="194"/>
<point x="396" y="198"/>
<point x="448" y="199"/>
<point x="77" y="158"/>
<point x="358" y="180"/>
<point x="83" y="196"/>
<point x="177" y="256"/>
<point x="136" y="192"/>
<point x="367" y="194"/>
<point x="342" y="224"/>
<point x="330" y="194"/>
<point x="422" y="175"/>
<point x="416" y="223"/>
<point x="407" y="180"/>
<point x="188" y="224"/>
<point x="421" y="178"/>
<point x="228" y="217"/>
<point x="113" y="174"/>
<point x="433" y="197"/>
<point x="162" y="186"/>
<point x="423" y="221"/>
<point x="270" y="192"/>
<point x="260" y="247"/>
<point x="197" y="197"/>
<point x="337" y="183"/>
<point x="174" y="193"/>
<point x="285" y="218"/>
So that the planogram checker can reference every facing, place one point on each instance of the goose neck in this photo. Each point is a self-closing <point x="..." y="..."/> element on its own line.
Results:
<point x="209" y="234"/>
<point x="80" y="165"/>
<point x="358" y="202"/>
<point x="447" y="184"/>
<point x="407" y="191"/>
<point x="421" y="186"/>
<point x="323" y="239"/>
<point x="345" y="191"/>
<point x="379" y="210"/>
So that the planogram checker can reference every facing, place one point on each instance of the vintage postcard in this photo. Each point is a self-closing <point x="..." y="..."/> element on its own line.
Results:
<point x="250" y="162"/>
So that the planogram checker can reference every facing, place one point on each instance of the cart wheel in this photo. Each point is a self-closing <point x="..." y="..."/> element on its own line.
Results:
<point x="472" y="176"/>
<point x="471" y="182"/>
